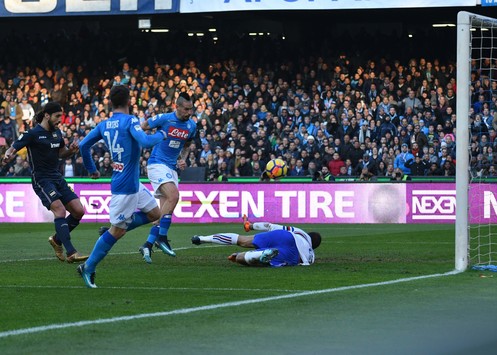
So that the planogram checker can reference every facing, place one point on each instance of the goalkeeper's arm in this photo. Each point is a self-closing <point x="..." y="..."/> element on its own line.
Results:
<point x="260" y="226"/>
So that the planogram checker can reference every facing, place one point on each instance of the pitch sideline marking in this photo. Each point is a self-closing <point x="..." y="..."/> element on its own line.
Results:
<point x="212" y="307"/>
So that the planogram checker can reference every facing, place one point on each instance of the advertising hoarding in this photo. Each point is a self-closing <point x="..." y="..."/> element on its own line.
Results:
<point x="13" y="8"/>
<point x="285" y="203"/>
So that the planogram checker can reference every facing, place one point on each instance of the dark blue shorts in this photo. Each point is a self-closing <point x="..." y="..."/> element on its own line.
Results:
<point x="50" y="190"/>
<point x="283" y="241"/>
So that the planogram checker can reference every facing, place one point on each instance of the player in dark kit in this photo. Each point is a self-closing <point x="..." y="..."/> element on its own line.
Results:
<point x="45" y="146"/>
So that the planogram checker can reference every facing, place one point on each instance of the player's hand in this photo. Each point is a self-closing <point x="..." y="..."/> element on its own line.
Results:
<point x="74" y="147"/>
<point x="7" y="158"/>
<point x="181" y="164"/>
<point x="246" y="223"/>
<point x="95" y="175"/>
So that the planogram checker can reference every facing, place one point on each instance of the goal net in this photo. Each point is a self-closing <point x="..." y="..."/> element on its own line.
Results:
<point x="476" y="159"/>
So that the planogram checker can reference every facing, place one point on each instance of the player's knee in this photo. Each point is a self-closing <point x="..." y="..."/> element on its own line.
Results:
<point x="78" y="213"/>
<point x="58" y="210"/>
<point x="117" y="232"/>
<point x="245" y="241"/>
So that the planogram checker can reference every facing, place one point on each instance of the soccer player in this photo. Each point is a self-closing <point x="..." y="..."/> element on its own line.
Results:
<point x="124" y="137"/>
<point x="45" y="147"/>
<point x="166" y="158"/>
<point x="276" y="246"/>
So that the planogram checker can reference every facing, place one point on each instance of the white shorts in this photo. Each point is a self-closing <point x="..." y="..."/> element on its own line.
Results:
<point x="159" y="174"/>
<point x="122" y="207"/>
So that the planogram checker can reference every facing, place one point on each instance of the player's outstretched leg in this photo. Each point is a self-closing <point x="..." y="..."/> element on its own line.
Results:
<point x="221" y="238"/>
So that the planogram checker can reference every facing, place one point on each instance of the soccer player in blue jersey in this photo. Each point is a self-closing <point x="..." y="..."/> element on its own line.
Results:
<point x="276" y="246"/>
<point x="124" y="137"/>
<point x="166" y="158"/>
<point x="45" y="147"/>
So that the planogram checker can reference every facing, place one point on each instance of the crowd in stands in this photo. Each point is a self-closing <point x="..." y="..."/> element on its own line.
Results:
<point x="327" y="117"/>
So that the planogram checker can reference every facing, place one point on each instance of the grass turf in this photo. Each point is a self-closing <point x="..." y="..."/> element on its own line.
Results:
<point x="450" y="314"/>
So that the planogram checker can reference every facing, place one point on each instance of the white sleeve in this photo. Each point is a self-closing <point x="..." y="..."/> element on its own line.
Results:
<point x="266" y="226"/>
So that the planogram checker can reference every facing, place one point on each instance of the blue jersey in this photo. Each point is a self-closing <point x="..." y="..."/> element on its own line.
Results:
<point x="178" y="133"/>
<point x="124" y="138"/>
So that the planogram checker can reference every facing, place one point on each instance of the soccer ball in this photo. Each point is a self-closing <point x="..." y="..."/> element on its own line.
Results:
<point x="276" y="169"/>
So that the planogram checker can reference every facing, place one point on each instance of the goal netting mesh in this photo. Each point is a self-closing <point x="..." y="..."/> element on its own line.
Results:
<point x="482" y="124"/>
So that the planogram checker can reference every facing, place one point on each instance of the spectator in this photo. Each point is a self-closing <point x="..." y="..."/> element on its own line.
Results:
<point x="105" y="167"/>
<point x="298" y="169"/>
<point x="8" y="129"/>
<point x="335" y="164"/>
<point x="15" y="113"/>
<point x="79" y="168"/>
<point x="402" y="158"/>
<point x="244" y="168"/>
<point x="26" y="169"/>
<point x="417" y="166"/>
<point x="68" y="169"/>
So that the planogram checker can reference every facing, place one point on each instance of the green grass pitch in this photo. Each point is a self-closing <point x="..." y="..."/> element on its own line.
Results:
<point x="368" y="293"/>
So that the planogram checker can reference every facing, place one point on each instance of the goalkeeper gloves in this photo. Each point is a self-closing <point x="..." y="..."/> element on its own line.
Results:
<point x="246" y="223"/>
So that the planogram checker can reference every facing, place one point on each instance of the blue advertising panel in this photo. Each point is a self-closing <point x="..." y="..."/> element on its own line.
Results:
<point x="18" y="8"/>
<point x="488" y="2"/>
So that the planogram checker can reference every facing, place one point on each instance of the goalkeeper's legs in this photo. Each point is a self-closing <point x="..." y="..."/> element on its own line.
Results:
<point x="255" y="257"/>
<point x="225" y="239"/>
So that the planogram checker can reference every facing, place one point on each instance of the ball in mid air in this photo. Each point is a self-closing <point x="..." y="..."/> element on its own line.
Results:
<point x="276" y="169"/>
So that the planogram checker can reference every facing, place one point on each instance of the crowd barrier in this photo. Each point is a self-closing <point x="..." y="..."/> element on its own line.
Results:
<point x="286" y="203"/>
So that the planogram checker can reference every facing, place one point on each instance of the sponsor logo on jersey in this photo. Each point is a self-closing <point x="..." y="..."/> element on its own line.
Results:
<point x="178" y="133"/>
<point x="111" y="124"/>
<point x="54" y="145"/>
<point x="119" y="167"/>
<point x="42" y="137"/>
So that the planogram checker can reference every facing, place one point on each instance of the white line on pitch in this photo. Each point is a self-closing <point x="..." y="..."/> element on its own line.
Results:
<point x="125" y="253"/>
<point x="154" y="288"/>
<point x="45" y="328"/>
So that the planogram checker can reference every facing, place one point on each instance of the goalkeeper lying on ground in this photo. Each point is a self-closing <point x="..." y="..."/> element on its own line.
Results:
<point x="276" y="246"/>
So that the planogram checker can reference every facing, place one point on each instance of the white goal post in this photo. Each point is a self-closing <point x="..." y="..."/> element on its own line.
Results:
<point x="477" y="53"/>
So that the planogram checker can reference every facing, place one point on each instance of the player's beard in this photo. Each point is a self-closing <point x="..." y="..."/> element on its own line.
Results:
<point x="51" y="126"/>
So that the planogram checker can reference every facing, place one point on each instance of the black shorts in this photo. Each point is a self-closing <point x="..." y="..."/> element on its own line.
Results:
<point x="50" y="190"/>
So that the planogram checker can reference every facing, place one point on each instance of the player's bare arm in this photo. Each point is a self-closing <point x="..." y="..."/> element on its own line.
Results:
<point x="66" y="152"/>
<point x="9" y="155"/>
<point x="183" y="155"/>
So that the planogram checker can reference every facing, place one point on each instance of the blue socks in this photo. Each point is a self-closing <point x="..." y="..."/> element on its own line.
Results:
<point x="152" y="237"/>
<point x="139" y="219"/>
<point x="63" y="235"/>
<point x="100" y="250"/>
<point x="165" y="223"/>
